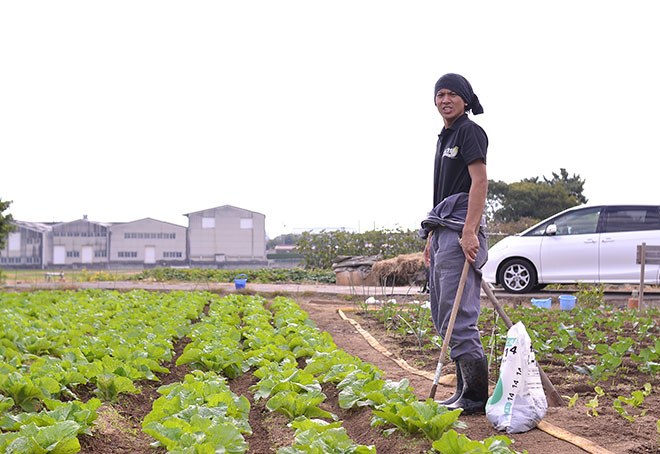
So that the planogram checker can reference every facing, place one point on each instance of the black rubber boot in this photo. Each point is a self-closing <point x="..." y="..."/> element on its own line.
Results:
<point x="459" y="387"/>
<point x="474" y="373"/>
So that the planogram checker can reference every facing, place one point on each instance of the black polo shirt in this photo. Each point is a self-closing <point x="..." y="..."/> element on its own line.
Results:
<point x="459" y="145"/>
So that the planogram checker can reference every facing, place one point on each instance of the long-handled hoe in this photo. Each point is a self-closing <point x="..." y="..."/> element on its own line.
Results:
<point x="554" y="399"/>
<point x="450" y="326"/>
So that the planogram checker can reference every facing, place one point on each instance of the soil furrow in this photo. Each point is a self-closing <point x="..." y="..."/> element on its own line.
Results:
<point x="119" y="425"/>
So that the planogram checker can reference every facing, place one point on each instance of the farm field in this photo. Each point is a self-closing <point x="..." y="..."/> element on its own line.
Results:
<point x="108" y="372"/>
<point x="603" y="359"/>
<point x="104" y="371"/>
<point x="73" y="277"/>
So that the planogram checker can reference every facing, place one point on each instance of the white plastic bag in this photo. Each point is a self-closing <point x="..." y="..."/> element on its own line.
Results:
<point x="518" y="402"/>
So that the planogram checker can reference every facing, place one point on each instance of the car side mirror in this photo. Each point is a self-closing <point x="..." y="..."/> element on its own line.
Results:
<point x="551" y="229"/>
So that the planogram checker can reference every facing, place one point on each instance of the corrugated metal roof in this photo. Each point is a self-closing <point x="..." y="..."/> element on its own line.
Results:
<point x="103" y="224"/>
<point x="224" y="206"/>
<point x="148" y="219"/>
<point x="36" y="226"/>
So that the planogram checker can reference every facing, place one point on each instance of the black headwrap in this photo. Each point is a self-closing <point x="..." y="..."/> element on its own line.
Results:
<point x="459" y="85"/>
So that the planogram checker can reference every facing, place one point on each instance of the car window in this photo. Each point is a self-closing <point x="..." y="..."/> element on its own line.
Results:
<point x="578" y="222"/>
<point x="572" y="223"/>
<point x="626" y="219"/>
<point x="540" y="230"/>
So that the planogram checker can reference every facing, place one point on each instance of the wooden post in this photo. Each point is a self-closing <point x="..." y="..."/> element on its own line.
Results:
<point x="646" y="255"/>
<point x="642" y="256"/>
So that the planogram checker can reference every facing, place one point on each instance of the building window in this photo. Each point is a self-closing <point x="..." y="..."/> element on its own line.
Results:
<point x="246" y="223"/>
<point x="100" y="253"/>
<point x="208" y="223"/>
<point x="14" y="241"/>
<point x="73" y="254"/>
<point x="153" y="235"/>
<point x="172" y="255"/>
<point x="127" y="254"/>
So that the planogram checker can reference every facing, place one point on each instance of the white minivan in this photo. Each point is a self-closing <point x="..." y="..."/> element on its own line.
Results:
<point x="594" y="244"/>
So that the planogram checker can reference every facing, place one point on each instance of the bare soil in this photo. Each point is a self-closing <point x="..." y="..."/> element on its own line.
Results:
<point x="609" y="430"/>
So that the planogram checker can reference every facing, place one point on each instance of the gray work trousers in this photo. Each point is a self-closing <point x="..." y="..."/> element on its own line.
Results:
<point x="447" y="260"/>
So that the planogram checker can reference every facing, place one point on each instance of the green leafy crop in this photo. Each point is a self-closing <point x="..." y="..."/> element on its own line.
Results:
<point x="635" y="401"/>
<point x="200" y="413"/>
<point x="427" y="417"/>
<point x="315" y="436"/>
<point x="453" y="443"/>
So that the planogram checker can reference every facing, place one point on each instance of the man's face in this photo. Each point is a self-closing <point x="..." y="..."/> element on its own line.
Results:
<point x="450" y="105"/>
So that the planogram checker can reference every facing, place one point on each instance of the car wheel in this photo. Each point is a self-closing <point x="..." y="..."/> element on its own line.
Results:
<point x="517" y="276"/>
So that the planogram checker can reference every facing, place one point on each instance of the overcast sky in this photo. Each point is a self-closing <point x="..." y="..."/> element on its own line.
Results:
<point x="316" y="114"/>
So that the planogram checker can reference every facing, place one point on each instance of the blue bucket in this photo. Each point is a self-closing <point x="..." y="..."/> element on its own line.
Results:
<point x="566" y="302"/>
<point x="542" y="302"/>
<point x="240" y="282"/>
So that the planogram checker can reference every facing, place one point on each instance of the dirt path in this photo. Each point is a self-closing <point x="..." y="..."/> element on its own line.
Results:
<point x="609" y="430"/>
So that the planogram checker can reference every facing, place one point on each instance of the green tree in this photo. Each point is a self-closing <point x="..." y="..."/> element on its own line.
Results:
<point x="287" y="238"/>
<point x="6" y="222"/>
<point x="574" y="184"/>
<point x="533" y="198"/>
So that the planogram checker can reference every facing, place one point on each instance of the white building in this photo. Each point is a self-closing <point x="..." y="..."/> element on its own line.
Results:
<point x="80" y="242"/>
<point x="147" y="242"/>
<point x="27" y="246"/>
<point x="227" y="235"/>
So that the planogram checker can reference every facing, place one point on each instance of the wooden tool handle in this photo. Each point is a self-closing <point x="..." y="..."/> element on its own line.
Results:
<point x="450" y="326"/>
<point x="554" y="398"/>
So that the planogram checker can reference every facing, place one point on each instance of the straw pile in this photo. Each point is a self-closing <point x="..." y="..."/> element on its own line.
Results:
<point x="405" y="269"/>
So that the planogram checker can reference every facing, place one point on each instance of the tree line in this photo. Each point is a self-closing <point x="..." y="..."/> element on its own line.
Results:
<point x="510" y="208"/>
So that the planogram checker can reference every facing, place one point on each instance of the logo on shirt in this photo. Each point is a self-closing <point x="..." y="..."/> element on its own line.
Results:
<point x="450" y="152"/>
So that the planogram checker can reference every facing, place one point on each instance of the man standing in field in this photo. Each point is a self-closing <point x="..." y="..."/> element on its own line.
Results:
<point x="460" y="186"/>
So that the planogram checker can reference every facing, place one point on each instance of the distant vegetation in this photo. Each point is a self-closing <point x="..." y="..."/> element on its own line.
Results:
<point x="6" y="226"/>
<point x="319" y="250"/>
<point x="262" y="275"/>
<point x="287" y="239"/>
<point x="6" y="220"/>
<point x="533" y="198"/>
<point x="512" y="208"/>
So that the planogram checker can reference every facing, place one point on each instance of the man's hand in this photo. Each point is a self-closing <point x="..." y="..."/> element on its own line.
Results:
<point x="470" y="244"/>
<point x="476" y="201"/>
<point x="427" y="250"/>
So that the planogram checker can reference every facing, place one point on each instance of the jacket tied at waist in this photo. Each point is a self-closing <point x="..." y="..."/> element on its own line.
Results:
<point x="450" y="213"/>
